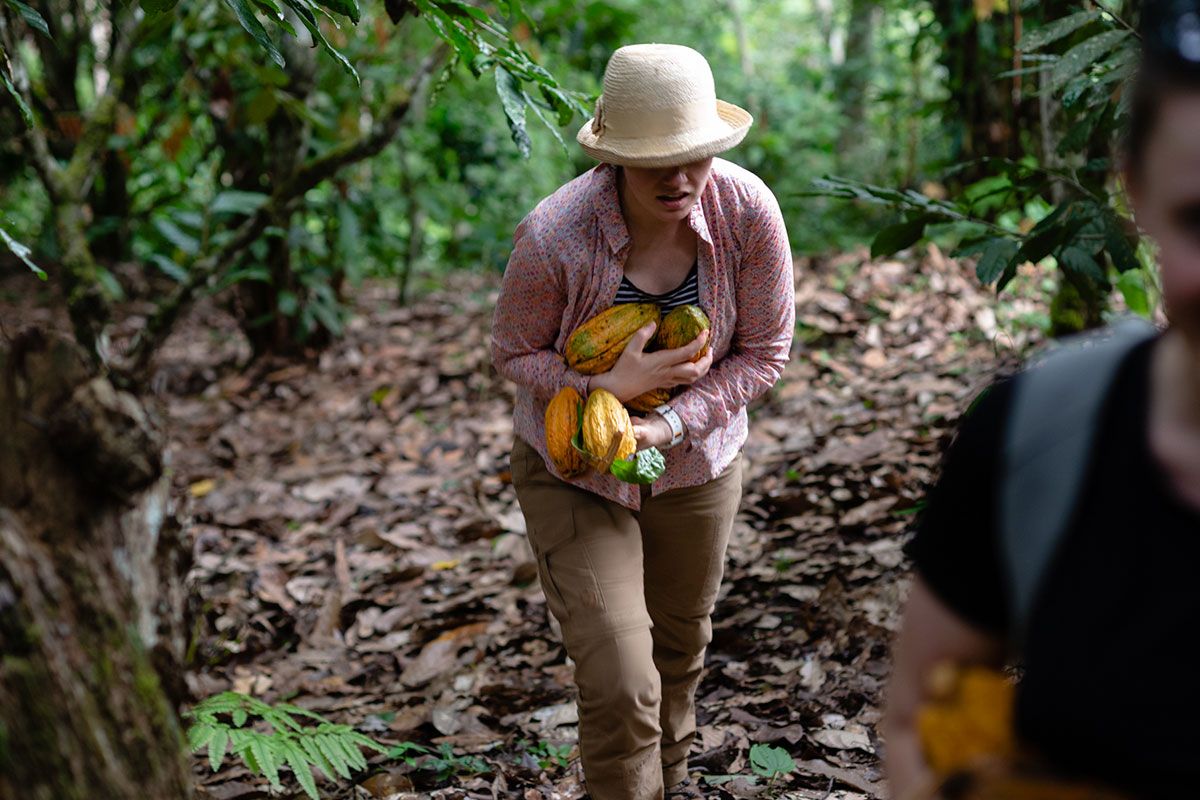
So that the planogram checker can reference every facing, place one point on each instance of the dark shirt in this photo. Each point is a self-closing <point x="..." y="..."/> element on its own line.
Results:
<point x="1110" y="687"/>
<point x="686" y="293"/>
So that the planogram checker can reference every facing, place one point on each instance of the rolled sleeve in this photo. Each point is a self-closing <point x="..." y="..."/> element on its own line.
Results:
<point x="762" y="339"/>
<point x="528" y="317"/>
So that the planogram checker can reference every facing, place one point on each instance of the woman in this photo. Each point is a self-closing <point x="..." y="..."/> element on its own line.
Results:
<point x="632" y="573"/>
<point x="1108" y="693"/>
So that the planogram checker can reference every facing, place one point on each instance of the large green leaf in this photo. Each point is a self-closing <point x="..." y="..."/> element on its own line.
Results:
<point x="1084" y="56"/>
<point x="250" y="22"/>
<point x="169" y="267"/>
<point x="895" y="238"/>
<point x="1133" y="288"/>
<point x="26" y="114"/>
<point x="22" y="252"/>
<point x="994" y="256"/>
<point x="1079" y="261"/>
<point x="304" y="9"/>
<point x="514" y="109"/>
<point x="644" y="466"/>
<point x="771" y="762"/>
<point x="1059" y="29"/>
<point x="347" y="8"/>
<point x="177" y="236"/>
<point x="234" y="201"/>
<point x="32" y="18"/>
<point x="1121" y="251"/>
<point x="1047" y="236"/>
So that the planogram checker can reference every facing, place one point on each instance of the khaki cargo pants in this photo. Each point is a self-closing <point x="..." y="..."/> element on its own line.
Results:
<point x="633" y="593"/>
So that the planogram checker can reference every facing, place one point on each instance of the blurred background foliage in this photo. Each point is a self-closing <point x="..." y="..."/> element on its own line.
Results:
<point x="935" y="119"/>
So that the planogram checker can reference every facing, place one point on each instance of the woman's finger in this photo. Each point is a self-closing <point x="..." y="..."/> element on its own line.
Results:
<point x="637" y="342"/>
<point x="686" y="373"/>
<point x="684" y="354"/>
<point x="696" y="344"/>
<point x="640" y="433"/>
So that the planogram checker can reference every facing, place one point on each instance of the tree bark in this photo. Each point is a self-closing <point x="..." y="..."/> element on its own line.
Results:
<point x="266" y="326"/>
<point x="854" y="76"/>
<point x="93" y="612"/>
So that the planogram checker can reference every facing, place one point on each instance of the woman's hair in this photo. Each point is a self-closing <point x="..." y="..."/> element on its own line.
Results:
<point x="1170" y="65"/>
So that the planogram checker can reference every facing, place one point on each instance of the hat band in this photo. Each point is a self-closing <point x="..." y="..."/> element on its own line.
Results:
<point x="642" y="124"/>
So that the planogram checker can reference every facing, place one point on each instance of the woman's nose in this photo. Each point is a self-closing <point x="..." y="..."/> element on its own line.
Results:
<point x="675" y="177"/>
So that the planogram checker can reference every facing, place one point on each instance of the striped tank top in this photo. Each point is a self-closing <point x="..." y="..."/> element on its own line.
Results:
<point x="686" y="293"/>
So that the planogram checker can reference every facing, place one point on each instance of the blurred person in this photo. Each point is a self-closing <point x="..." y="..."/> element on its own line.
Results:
<point x="631" y="573"/>
<point x="1065" y="528"/>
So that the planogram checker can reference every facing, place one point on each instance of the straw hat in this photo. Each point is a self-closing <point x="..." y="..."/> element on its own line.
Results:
<point x="659" y="108"/>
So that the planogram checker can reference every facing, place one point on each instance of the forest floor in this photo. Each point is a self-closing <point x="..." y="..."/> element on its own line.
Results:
<point x="359" y="551"/>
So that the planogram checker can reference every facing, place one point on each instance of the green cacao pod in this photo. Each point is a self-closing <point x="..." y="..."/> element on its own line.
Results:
<point x="681" y="326"/>
<point x="597" y="344"/>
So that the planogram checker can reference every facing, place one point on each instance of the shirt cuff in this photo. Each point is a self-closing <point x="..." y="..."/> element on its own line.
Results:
<point x="691" y="414"/>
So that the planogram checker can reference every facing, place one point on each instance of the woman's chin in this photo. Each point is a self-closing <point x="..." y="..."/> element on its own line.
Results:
<point x="669" y="212"/>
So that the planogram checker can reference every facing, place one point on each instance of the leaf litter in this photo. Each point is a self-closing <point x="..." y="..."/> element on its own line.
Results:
<point x="358" y="550"/>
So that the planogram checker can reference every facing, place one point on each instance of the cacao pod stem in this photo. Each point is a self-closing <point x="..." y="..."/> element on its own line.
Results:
<point x="614" y="446"/>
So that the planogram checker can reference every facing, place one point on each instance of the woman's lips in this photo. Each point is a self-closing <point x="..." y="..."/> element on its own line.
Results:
<point x="673" y="202"/>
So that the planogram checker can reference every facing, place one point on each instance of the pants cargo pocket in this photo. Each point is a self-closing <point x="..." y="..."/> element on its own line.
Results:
<point x="545" y="503"/>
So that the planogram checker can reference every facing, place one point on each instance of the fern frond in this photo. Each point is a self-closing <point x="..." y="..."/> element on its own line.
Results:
<point x="309" y="745"/>
<point x="198" y="735"/>
<point x="333" y="754"/>
<point x="216" y="748"/>
<point x="332" y="747"/>
<point x="299" y="763"/>
<point x="265" y="755"/>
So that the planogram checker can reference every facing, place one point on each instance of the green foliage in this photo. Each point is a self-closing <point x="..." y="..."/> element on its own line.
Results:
<point x="483" y="45"/>
<point x="31" y="16"/>
<point x="766" y="761"/>
<point x="21" y="251"/>
<point x="1077" y="219"/>
<point x="442" y="762"/>
<point x="770" y="762"/>
<point x="222" y="724"/>
<point x="645" y="466"/>
<point x="547" y="755"/>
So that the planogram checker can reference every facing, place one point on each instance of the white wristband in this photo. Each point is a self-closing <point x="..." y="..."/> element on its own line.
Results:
<point x="674" y="421"/>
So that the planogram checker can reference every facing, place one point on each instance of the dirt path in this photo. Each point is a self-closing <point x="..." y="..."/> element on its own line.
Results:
<point x="359" y="551"/>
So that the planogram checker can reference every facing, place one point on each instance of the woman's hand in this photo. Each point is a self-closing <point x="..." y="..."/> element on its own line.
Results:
<point x="636" y="371"/>
<point x="651" y="431"/>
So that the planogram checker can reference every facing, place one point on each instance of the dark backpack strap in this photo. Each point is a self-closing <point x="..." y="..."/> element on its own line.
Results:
<point x="1052" y="426"/>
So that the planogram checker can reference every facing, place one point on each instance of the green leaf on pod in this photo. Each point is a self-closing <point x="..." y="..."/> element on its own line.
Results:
<point x="643" y="467"/>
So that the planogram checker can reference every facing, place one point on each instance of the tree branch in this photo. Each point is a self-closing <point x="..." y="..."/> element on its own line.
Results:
<point x="47" y="168"/>
<point x="99" y="124"/>
<point x="134" y="365"/>
<point x="382" y="132"/>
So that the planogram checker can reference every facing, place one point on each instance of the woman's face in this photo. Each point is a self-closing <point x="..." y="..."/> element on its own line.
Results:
<point x="1166" y="196"/>
<point x="665" y="194"/>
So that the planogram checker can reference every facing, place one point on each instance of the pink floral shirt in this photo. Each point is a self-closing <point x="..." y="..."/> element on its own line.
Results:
<point x="567" y="261"/>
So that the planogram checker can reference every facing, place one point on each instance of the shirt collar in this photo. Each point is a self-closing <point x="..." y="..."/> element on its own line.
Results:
<point x="612" y="224"/>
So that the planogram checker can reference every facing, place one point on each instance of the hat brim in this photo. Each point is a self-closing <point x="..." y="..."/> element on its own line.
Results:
<point x="731" y="127"/>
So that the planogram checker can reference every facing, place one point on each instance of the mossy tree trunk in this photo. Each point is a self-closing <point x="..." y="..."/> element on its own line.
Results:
<point x="92" y="604"/>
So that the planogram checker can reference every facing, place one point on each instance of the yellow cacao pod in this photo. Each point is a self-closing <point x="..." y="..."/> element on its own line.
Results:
<point x="648" y="401"/>
<point x="562" y="423"/>
<point x="969" y="715"/>
<point x="604" y="417"/>
<point x="681" y="326"/>
<point x="597" y="344"/>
